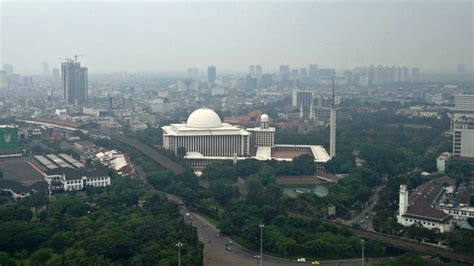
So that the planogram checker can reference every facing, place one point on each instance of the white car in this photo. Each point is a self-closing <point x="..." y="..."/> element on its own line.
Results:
<point x="256" y="257"/>
<point x="301" y="260"/>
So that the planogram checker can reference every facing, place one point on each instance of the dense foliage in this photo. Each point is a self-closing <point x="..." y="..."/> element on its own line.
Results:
<point x="107" y="227"/>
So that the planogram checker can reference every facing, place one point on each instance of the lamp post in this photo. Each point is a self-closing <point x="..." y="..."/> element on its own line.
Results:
<point x="261" y="238"/>
<point x="179" y="245"/>
<point x="363" y="243"/>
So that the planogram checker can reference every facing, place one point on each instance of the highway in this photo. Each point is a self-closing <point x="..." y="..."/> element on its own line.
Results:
<point x="246" y="257"/>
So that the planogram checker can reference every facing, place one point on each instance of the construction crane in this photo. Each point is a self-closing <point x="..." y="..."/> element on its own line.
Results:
<point x="76" y="56"/>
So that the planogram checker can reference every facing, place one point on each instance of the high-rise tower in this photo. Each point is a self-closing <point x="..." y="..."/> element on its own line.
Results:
<point x="211" y="74"/>
<point x="75" y="82"/>
<point x="332" y="133"/>
<point x="403" y="203"/>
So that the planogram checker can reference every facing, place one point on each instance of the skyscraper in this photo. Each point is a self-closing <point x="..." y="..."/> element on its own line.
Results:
<point x="8" y="68"/>
<point x="284" y="71"/>
<point x="252" y="69"/>
<point x="3" y="79"/>
<point x="258" y="70"/>
<point x="211" y="74"/>
<point x="55" y="74"/>
<point x="313" y="72"/>
<point x="45" y="69"/>
<point x="75" y="82"/>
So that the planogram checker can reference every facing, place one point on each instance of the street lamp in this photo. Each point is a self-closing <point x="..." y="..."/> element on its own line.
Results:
<point x="179" y="245"/>
<point x="261" y="250"/>
<point x="363" y="243"/>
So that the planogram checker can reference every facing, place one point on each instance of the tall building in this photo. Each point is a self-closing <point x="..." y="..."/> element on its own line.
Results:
<point x="252" y="70"/>
<point x="258" y="71"/>
<point x="301" y="98"/>
<point x="75" y="82"/>
<point x="251" y="82"/>
<point x="284" y="71"/>
<point x="3" y="80"/>
<point x="211" y="74"/>
<point x="8" y="68"/>
<point x="46" y="69"/>
<point x="464" y="102"/>
<point x="332" y="129"/>
<point x="462" y="124"/>
<point x="55" y="74"/>
<point x="314" y="72"/>
<point x="416" y="74"/>
<point x="303" y="73"/>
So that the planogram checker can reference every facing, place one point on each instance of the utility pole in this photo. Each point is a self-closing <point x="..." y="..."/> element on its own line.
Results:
<point x="261" y="238"/>
<point x="363" y="243"/>
<point x="179" y="245"/>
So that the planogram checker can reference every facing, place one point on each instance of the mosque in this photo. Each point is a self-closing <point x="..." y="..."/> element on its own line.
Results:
<point x="205" y="138"/>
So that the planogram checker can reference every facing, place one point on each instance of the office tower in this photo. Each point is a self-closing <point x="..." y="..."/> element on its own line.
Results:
<point x="314" y="72"/>
<point x="267" y="80"/>
<point x="332" y="133"/>
<point x="75" y="82"/>
<point x="45" y="69"/>
<point x="416" y="74"/>
<point x="303" y="73"/>
<point x="295" y="74"/>
<point x="211" y="74"/>
<point x="284" y="71"/>
<point x="3" y="80"/>
<point x="251" y="81"/>
<point x="464" y="102"/>
<point x="8" y="68"/>
<point x="301" y="98"/>
<point x="252" y="70"/>
<point x="258" y="71"/>
<point x="55" y="74"/>
<point x="462" y="125"/>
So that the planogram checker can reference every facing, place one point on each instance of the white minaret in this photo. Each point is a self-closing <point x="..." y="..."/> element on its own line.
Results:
<point x="403" y="204"/>
<point x="311" y="111"/>
<point x="332" y="131"/>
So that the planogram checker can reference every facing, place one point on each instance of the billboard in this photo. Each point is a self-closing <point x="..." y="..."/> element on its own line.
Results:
<point x="8" y="138"/>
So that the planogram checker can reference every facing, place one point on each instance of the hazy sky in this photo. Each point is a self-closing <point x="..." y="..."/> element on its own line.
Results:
<point x="159" y="37"/>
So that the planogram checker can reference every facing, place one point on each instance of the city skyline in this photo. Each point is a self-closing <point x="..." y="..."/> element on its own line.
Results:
<point x="172" y="37"/>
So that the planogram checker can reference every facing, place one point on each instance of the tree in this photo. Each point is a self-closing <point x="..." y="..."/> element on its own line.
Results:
<point x="303" y="165"/>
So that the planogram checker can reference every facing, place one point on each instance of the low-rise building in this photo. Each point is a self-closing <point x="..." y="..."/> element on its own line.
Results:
<point x="76" y="179"/>
<point x="420" y="206"/>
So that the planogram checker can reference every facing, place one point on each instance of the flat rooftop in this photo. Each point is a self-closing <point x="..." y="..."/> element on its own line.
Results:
<point x="21" y="170"/>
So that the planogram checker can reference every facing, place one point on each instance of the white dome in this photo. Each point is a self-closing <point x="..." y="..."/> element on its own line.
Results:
<point x="264" y="118"/>
<point x="203" y="118"/>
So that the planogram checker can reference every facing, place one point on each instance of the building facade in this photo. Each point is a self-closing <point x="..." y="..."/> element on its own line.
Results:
<point x="75" y="82"/>
<point x="204" y="138"/>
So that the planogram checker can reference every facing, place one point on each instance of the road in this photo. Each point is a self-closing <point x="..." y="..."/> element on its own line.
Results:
<point x="151" y="153"/>
<point x="243" y="258"/>
<point x="365" y="217"/>
<point x="215" y="252"/>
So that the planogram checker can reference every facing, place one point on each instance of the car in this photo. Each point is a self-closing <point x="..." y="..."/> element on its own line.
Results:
<point x="256" y="257"/>
<point x="315" y="262"/>
<point x="218" y="235"/>
<point x="362" y="221"/>
<point x="228" y="248"/>
<point x="187" y="214"/>
<point x="205" y="225"/>
<point x="231" y="242"/>
<point x="301" y="260"/>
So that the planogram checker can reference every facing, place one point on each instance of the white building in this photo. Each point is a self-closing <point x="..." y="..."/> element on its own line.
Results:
<point x="441" y="161"/>
<point x="206" y="134"/>
<point x="463" y="137"/>
<point x="419" y="207"/>
<point x="205" y="138"/>
<point x="76" y="179"/>
<point x="464" y="102"/>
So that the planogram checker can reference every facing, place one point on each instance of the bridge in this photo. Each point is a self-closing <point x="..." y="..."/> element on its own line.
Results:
<point x="397" y="242"/>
